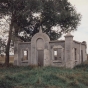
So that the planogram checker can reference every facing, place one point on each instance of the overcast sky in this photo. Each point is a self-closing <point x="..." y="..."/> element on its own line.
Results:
<point x="82" y="32"/>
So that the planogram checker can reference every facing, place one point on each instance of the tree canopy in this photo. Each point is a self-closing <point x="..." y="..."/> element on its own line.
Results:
<point x="52" y="13"/>
<point x="30" y="14"/>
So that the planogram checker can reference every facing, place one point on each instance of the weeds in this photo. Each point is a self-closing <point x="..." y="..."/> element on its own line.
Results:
<point x="44" y="77"/>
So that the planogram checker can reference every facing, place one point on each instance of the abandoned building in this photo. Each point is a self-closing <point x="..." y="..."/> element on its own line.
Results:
<point x="43" y="52"/>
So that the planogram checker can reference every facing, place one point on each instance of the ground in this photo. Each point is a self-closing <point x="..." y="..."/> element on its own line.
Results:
<point x="44" y="77"/>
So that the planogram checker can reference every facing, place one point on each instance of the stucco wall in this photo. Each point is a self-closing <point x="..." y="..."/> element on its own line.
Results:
<point x="21" y="48"/>
<point x="61" y="45"/>
<point x="81" y="48"/>
<point x="41" y="50"/>
<point x="76" y="45"/>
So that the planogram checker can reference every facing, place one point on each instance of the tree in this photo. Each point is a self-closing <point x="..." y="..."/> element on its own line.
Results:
<point x="51" y="13"/>
<point x="10" y="8"/>
<point x="14" y="9"/>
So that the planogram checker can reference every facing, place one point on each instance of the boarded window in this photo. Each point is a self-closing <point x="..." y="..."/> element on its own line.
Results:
<point x="25" y="55"/>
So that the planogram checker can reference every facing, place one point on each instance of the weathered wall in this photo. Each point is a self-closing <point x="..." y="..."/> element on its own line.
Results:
<point x="41" y="52"/>
<point x="83" y="47"/>
<point x="59" y="45"/>
<point x="76" y="45"/>
<point x="21" y="48"/>
<point x="68" y="51"/>
<point x="40" y="41"/>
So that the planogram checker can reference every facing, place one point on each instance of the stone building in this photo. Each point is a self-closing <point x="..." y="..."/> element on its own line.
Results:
<point x="43" y="52"/>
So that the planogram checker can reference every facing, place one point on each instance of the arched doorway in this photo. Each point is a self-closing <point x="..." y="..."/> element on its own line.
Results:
<point x="39" y="42"/>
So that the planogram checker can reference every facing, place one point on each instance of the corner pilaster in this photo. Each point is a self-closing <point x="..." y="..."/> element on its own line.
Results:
<point x="68" y="51"/>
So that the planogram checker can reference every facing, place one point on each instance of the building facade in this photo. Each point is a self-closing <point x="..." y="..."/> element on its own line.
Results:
<point x="43" y="52"/>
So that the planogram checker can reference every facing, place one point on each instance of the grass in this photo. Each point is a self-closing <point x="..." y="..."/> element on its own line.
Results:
<point x="2" y="59"/>
<point x="44" y="77"/>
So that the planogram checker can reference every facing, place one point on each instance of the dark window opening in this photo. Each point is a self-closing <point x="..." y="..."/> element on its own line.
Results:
<point x="75" y="51"/>
<point x="25" y="55"/>
<point x="55" y="54"/>
<point x="81" y="55"/>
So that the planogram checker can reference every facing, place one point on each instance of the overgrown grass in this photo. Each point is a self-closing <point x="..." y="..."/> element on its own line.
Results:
<point x="2" y="59"/>
<point x="44" y="77"/>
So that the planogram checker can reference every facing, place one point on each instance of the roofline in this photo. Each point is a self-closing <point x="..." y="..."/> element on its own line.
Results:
<point x="57" y="41"/>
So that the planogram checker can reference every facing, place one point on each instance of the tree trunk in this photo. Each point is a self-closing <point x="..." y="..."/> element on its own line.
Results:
<point x="8" y="44"/>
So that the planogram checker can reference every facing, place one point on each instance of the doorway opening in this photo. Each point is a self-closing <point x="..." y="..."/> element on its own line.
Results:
<point x="40" y="57"/>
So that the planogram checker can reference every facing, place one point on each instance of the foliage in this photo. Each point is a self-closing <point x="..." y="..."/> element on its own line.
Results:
<point x="51" y="13"/>
<point x="10" y="8"/>
<point x="43" y="77"/>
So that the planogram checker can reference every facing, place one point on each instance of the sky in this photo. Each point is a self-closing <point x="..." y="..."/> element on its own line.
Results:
<point x="81" y="34"/>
